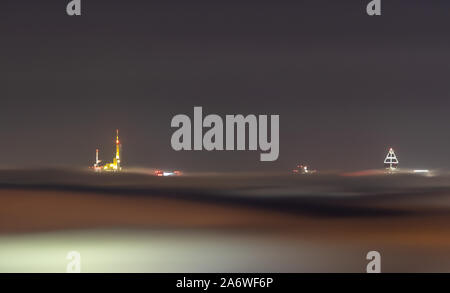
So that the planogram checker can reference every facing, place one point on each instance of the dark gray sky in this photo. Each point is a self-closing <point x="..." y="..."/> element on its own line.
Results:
<point x="346" y="86"/>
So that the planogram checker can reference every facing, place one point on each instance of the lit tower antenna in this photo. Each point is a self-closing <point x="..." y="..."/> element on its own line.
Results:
<point x="391" y="161"/>
<point x="115" y="165"/>
<point x="96" y="158"/>
<point x="97" y="167"/>
<point x="118" y="146"/>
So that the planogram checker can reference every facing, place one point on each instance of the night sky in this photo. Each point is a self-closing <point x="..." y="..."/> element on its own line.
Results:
<point x="346" y="86"/>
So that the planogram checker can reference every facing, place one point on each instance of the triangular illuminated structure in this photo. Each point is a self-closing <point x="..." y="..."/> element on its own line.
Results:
<point x="391" y="160"/>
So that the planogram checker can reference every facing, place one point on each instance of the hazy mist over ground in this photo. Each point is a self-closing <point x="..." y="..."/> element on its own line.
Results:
<point x="223" y="222"/>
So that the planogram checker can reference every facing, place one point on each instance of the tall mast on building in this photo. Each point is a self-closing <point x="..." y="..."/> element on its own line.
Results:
<point x="117" y="150"/>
